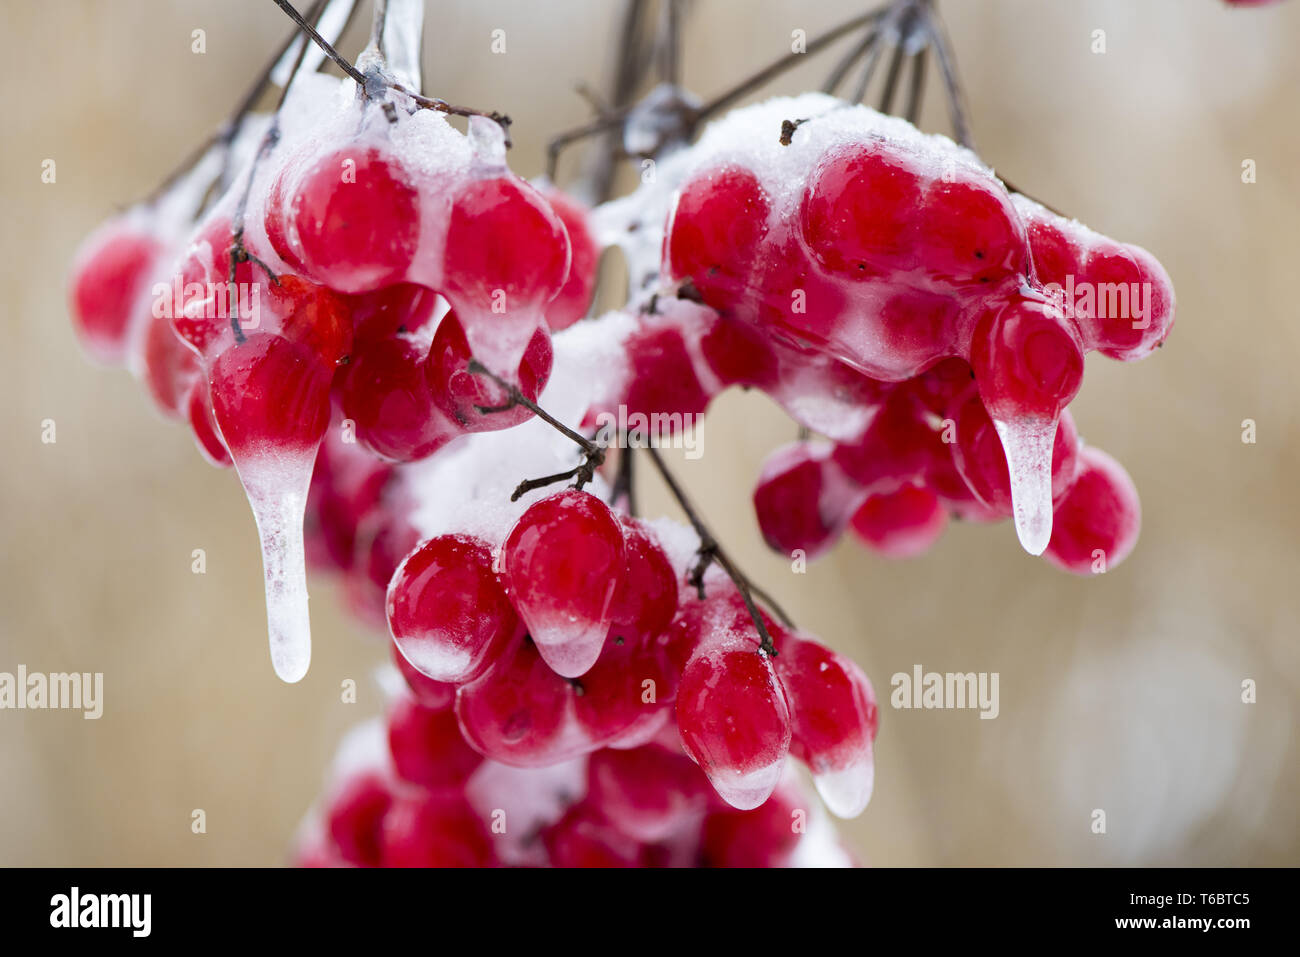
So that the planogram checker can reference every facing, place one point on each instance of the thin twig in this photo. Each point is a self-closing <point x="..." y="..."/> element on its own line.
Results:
<point x="948" y="70"/>
<point x="916" y="89"/>
<point x="723" y="100"/>
<point x="843" y="67"/>
<point x="424" y="102"/>
<point x="868" y="70"/>
<point x="790" y="60"/>
<point x="625" y="481"/>
<point x="321" y="42"/>
<point x="228" y="130"/>
<point x="891" y="78"/>
<point x="670" y="44"/>
<point x="711" y="551"/>
<point x="517" y="398"/>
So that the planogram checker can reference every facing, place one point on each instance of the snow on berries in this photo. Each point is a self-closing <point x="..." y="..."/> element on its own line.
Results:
<point x="889" y="251"/>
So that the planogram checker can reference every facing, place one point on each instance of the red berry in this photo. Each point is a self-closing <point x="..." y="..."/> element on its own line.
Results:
<point x="1096" y="525"/>
<point x="351" y="221"/>
<point x="1028" y="363"/>
<point x="833" y="721"/>
<point x="802" y="500"/>
<point x="859" y="212"/>
<point x="270" y="395"/>
<point x="169" y="368"/>
<point x="650" y="791"/>
<point x="403" y="307"/>
<point x="447" y="610"/>
<point x="427" y="746"/>
<point x="714" y="232"/>
<point x="108" y="280"/>
<point x="434" y="830"/>
<point x="356" y="818"/>
<point x="385" y="392"/>
<point x="585" y="837"/>
<point x="563" y="561"/>
<point x="575" y="297"/>
<point x="204" y="424"/>
<point x="733" y="716"/>
<point x="506" y="257"/>
<point x="521" y="712"/>
<point x="460" y="394"/>
<point x="903" y="523"/>
<point x="969" y="234"/>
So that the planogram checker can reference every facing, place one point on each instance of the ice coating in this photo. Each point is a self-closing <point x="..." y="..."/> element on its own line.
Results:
<point x="819" y="846"/>
<point x="277" y="492"/>
<point x="747" y="789"/>
<point x="437" y="659"/>
<point x="403" y="37"/>
<point x="846" y="789"/>
<point x="568" y="651"/>
<point x="1028" y="445"/>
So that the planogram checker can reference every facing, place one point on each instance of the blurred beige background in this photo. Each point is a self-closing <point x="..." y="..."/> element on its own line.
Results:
<point x="1120" y="693"/>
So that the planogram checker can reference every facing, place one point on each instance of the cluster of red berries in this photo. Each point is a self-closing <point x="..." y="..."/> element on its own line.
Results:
<point x="886" y="289"/>
<point x="574" y="631"/>
<point x="322" y="278"/>
<point x="352" y="323"/>
<point x="417" y="796"/>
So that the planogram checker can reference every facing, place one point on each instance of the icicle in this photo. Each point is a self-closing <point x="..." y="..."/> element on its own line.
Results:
<point x="1028" y="446"/>
<point x="277" y="492"/>
<point x="403" y="38"/>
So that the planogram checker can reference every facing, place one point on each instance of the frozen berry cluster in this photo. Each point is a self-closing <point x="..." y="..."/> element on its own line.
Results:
<point x="887" y="290"/>
<point x="409" y="793"/>
<point x="368" y="315"/>
<point x="362" y="252"/>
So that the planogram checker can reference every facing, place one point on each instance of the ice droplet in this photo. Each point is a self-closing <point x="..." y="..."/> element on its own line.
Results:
<point x="846" y="790"/>
<point x="746" y="790"/>
<point x="277" y="492"/>
<point x="569" y="649"/>
<point x="1028" y="446"/>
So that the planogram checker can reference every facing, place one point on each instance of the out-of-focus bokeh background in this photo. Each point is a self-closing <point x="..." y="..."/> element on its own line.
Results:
<point x="1120" y="692"/>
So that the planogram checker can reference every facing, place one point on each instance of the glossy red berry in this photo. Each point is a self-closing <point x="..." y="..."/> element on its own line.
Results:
<point x="833" y="721"/>
<point x="563" y="561"/>
<point x="903" y="523"/>
<point x="733" y="717"/>
<point x="1096" y="525"/>
<point x="109" y="280"/>
<point x="427" y="746"/>
<point x="350" y="221"/>
<point x="447" y="610"/>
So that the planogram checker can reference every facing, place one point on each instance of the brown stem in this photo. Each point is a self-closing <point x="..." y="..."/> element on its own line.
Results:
<point x="424" y="102"/>
<point x="625" y="481"/>
<point x="517" y="398"/>
<point x="321" y="42"/>
<point x="711" y="551"/>
<point x="230" y="128"/>
<point x="843" y="67"/>
<point x="697" y="115"/>
<point x="787" y="62"/>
